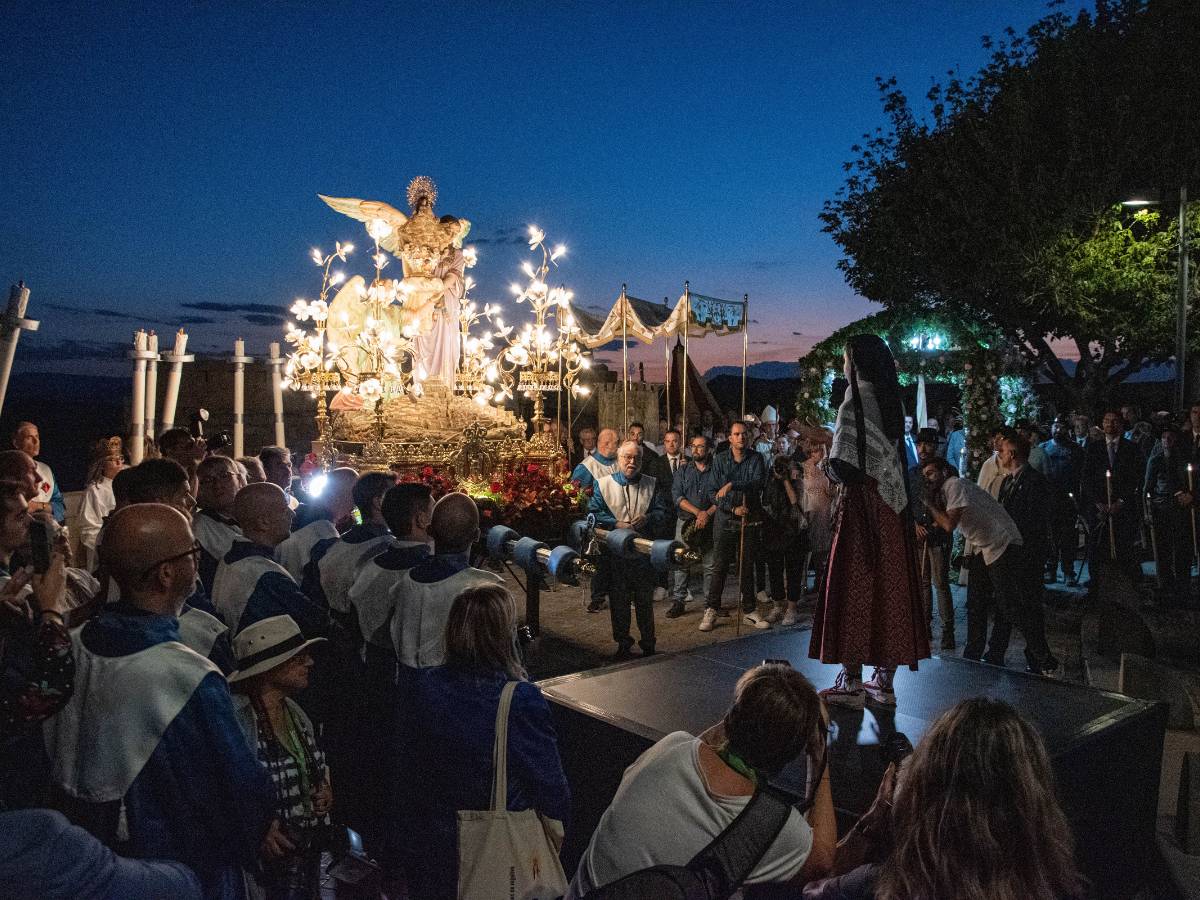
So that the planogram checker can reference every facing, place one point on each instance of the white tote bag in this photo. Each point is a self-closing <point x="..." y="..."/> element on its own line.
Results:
<point x="506" y="855"/>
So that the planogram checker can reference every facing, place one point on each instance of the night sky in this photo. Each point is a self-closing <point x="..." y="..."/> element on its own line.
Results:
<point x="159" y="163"/>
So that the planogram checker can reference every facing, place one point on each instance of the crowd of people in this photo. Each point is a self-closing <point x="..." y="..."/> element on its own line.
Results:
<point x="241" y="665"/>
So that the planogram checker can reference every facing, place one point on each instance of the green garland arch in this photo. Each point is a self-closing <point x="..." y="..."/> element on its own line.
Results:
<point x="994" y="382"/>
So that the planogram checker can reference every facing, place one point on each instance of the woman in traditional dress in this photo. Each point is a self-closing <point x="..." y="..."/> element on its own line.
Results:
<point x="870" y="610"/>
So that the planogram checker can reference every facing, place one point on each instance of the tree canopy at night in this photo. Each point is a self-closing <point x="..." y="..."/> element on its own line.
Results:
<point x="1004" y="199"/>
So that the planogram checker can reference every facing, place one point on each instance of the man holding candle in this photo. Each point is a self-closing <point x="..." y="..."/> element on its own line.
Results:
<point x="1060" y="462"/>
<point x="1113" y="470"/>
<point x="1172" y="504"/>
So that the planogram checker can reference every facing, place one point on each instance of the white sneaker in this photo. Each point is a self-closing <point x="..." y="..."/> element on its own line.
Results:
<point x="789" y="618"/>
<point x="708" y="620"/>
<point x="774" y="614"/>
<point x="846" y="691"/>
<point x="879" y="689"/>
<point x="660" y="594"/>
<point x="755" y="620"/>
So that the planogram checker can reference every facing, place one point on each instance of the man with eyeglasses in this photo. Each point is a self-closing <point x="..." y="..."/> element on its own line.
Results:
<point x="148" y="752"/>
<point x="213" y="524"/>
<point x="165" y="481"/>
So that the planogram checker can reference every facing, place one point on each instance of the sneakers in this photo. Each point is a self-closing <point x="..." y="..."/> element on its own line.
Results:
<point x="789" y="618"/>
<point x="879" y="689"/>
<point x="677" y="609"/>
<point x="755" y="620"/>
<point x="762" y="598"/>
<point x="708" y="620"/>
<point x="1056" y="672"/>
<point x="846" y="691"/>
<point x="596" y="605"/>
<point x="660" y="594"/>
<point x="775" y="614"/>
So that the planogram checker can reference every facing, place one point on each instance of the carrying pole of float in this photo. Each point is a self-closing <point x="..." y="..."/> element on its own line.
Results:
<point x="683" y="379"/>
<point x="745" y="347"/>
<point x="240" y="360"/>
<point x="624" y="364"/>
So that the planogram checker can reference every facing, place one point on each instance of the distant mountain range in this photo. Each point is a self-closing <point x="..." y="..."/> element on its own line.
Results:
<point x="769" y="370"/>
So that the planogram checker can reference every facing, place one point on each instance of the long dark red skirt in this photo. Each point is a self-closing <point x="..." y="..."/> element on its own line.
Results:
<point x="870" y="611"/>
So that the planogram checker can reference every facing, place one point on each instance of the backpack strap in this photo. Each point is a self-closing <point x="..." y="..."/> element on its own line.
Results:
<point x="732" y="855"/>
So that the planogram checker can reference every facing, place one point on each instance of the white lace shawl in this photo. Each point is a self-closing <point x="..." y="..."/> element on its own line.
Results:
<point x="882" y="459"/>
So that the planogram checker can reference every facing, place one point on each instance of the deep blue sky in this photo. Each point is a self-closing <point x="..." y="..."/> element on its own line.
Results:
<point x="164" y="154"/>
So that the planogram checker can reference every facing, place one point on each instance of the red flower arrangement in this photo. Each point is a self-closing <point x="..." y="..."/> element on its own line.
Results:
<point x="439" y="484"/>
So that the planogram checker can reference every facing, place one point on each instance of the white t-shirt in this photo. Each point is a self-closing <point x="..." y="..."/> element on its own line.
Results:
<point x="984" y="524"/>
<point x="664" y="814"/>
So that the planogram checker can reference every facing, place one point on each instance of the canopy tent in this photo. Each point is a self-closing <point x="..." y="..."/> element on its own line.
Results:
<point x="694" y="315"/>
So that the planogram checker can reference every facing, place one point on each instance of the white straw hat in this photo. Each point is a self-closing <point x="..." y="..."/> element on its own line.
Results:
<point x="266" y="644"/>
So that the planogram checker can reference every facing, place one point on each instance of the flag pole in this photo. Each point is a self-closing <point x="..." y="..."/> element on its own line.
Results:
<point x="687" y="327"/>
<point x="624" y="364"/>
<point x="745" y="347"/>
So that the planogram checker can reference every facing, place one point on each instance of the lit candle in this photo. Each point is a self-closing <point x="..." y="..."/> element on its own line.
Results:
<point x="276" y="363"/>
<point x="137" y="406"/>
<point x="173" y="378"/>
<point x="151" y="384"/>
<point x="239" y="397"/>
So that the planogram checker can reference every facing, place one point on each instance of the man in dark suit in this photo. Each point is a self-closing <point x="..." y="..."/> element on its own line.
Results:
<point x="1025" y="495"/>
<point x="1113" y="467"/>
<point x="1171" y="504"/>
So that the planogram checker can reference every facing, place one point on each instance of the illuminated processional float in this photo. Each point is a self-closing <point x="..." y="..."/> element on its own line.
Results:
<point x="411" y="373"/>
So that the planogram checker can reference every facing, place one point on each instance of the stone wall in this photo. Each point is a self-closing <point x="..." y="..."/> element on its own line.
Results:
<point x="643" y="407"/>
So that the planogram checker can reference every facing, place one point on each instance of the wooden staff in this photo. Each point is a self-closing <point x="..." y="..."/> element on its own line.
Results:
<point x="741" y="568"/>
<point x="1112" y="536"/>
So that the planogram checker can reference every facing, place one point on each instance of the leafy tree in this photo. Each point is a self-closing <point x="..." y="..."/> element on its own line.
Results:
<point x="999" y="201"/>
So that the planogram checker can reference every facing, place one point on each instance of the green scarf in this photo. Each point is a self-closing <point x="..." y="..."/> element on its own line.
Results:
<point x="738" y="764"/>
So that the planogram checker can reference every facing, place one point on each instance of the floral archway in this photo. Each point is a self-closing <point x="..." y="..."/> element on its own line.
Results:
<point x="994" y="383"/>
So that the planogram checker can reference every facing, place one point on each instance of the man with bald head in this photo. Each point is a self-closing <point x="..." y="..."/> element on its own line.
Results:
<point x="325" y="517"/>
<point x="422" y="596"/>
<point x="148" y="754"/>
<point x="600" y="462"/>
<point x="164" y="481"/>
<point x="629" y="498"/>
<point x="249" y="585"/>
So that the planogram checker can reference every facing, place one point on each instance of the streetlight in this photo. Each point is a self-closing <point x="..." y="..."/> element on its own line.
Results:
<point x="1153" y="198"/>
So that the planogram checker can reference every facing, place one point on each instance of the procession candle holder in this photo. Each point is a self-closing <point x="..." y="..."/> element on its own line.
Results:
<point x="1153" y="541"/>
<point x="1192" y="492"/>
<point x="1112" y="535"/>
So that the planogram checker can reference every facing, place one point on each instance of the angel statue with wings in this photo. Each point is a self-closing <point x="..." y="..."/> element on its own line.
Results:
<point x="430" y="250"/>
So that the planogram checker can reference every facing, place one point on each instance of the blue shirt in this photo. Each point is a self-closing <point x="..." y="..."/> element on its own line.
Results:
<point x="202" y="798"/>
<point x="1060" y="463"/>
<point x="955" y="444"/>
<point x="747" y="478"/>
<point x="447" y="733"/>
<point x="696" y="487"/>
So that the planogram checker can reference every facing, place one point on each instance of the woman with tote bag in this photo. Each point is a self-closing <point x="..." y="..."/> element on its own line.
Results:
<point x="482" y="793"/>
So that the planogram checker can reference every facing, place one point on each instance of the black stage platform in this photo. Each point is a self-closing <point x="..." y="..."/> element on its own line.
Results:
<point x="1106" y="748"/>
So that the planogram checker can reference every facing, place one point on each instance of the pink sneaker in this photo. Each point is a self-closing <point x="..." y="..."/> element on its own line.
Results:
<point x="846" y="691"/>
